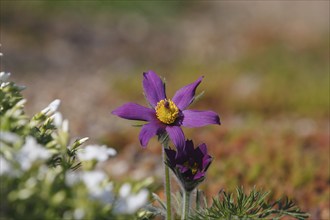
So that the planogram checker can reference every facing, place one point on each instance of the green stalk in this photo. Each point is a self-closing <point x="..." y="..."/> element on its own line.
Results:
<point x="167" y="185"/>
<point x="186" y="205"/>
<point x="197" y="199"/>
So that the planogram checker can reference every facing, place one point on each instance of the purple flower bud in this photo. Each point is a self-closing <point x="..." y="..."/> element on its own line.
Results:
<point x="189" y="164"/>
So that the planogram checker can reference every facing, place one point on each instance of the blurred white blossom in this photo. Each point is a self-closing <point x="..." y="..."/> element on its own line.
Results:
<point x="96" y="152"/>
<point x="31" y="152"/>
<point x="4" y="76"/>
<point x="93" y="179"/>
<point x="4" y="84"/>
<point x="42" y="172"/>
<point x="97" y="187"/>
<point x="65" y="125"/>
<point x="57" y="119"/>
<point x="72" y="178"/>
<point x="51" y="108"/>
<point x="59" y="122"/>
<point x="78" y="214"/>
<point x="129" y="203"/>
<point x="96" y="183"/>
<point x="4" y="79"/>
<point x="5" y="167"/>
<point x="83" y="140"/>
<point x="9" y="137"/>
<point x="21" y="103"/>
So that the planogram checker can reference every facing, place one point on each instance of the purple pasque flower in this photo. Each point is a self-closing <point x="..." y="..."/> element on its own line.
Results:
<point x="166" y="115"/>
<point x="189" y="164"/>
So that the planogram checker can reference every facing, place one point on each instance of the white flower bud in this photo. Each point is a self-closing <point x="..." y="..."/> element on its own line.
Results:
<point x="57" y="119"/>
<point x="51" y="108"/>
<point x="95" y="152"/>
<point x="21" y="102"/>
<point x="4" y="76"/>
<point x="65" y="125"/>
<point x="83" y="140"/>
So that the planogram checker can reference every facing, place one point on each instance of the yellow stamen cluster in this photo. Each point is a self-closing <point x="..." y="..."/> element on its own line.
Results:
<point x="166" y="111"/>
<point x="194" y="168"/>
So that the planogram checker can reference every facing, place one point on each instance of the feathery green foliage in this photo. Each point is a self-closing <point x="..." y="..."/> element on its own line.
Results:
<point x="246" y="206"/>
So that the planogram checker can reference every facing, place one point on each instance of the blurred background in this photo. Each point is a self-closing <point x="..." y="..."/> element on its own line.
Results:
<point x="266" y="68"/>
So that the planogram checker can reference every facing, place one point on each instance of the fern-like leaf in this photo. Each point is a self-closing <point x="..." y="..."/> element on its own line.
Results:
<point x="247" y="206"/>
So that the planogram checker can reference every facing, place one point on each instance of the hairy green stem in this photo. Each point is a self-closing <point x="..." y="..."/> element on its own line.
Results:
<point x="197" y="199"/>
<point x="167" y="184"/>
<point x="186" y="205"/>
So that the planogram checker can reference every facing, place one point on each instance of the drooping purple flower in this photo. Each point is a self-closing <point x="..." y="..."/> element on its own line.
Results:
<point x="166" y="115"/>
<point x="189" y="164"/>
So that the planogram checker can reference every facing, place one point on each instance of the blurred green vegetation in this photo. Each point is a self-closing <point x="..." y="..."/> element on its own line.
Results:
<point x="279" y="80"/>
<point x="153" y="9"/>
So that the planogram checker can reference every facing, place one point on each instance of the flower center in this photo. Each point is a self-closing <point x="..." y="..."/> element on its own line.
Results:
<point x="194" y="167"/>
<point x="166" y="111"/>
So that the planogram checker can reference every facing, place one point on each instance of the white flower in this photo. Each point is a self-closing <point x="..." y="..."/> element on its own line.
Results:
<point x="98" y="189"/>
<point x="21" y="103"/>
<point x="125" y="190"/>
<point x="4" y="76"/>
<point x="5" y="166"/>
<point x="137" y="201"/>
<point x="4" y="84"/>
<point x="95" y="152"/>
<point x="129" y="203"/>
<point x="51" y="108"/>
<point x="57" y="119"/>
<point x="78" y="213"/>
<point x="42" y="172"/>
<point x="65" y="125"/>
<point x="59" y="122"/>
<point x="9" y="137"/>
<point x="72" y="178"/>
<point x="31" y="152"/>
<point x="95" y="182"/>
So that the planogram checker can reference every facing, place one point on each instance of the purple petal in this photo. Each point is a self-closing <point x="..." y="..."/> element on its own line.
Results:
<point x="206" y="162"/>
<point x="134" y="111"/>
<point x="171" y="156"/>
<point x="193" y="118"/>
<point x="185" y="96"/>
<point x="202" y="148"/>
<point x="184" y="153"/>
<point x="148" y="131"/>
<point x="198" y="158"/>
<point x="182" y="168"/>
<point x="176" y="135"/>
<point x="199" y="175"/>
<point x="189" y="148"/>
<point x="154" y="88"/>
